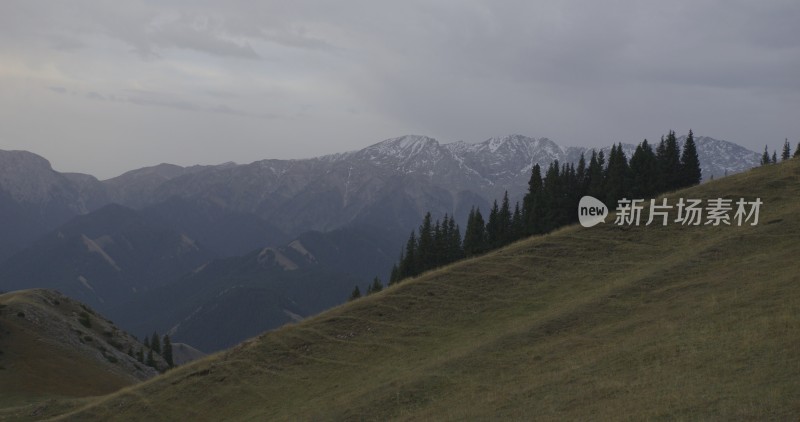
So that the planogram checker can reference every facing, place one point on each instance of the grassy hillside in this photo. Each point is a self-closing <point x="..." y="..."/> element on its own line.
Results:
<point x="699" y="323"/>
<point x="52" y="346"/>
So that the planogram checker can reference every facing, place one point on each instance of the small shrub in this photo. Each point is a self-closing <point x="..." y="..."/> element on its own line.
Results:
<point x="21" y="314"/>
<point x="88" y="338"/>
<point x="111" y="359"/>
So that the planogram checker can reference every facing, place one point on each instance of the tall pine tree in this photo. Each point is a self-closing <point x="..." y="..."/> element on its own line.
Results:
<point x="475" y="233"/>
<point x="644" y="171"/>
<point x="594" y="185"/>
<point x="668" y="155"/>
<point x="504" y="222"/>
<point x="454" y="247"/>
<point x="787" y="150"/>
<point x="617" y="176"/>
<point x="552" y="199"/>
<point x="408" y="263"/>
<point x="765" y="157"/>
<point x="425" y="245"/>
<point x="493" y="227"/>
<point x="532" y="206"/>
<point x="581" y="175"/>
<point x="517" y="224"/>
<point x="690" y="163"/>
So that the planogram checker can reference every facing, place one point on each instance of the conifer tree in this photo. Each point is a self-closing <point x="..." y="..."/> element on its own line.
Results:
<point x="668" y="155"/>
<point x="425" y="246"/>
<point x="517" y="224"/>
<point x="394" y="275"/>
<point x="439" y="252"/>
<point x="595" y="183"/>
<point x="504" y="221"/>
<point x="553" y="214"/>
<point x="797" y="151"/>
<point x="617" y="176"/>
<point x="572" y="193"/>
<point x="532" y="205"/>
<point x="690" y="163"/>
<point x="408" y="264"/>
<point x="355" y="294"/>
<point x="167" y="352"/>
<point x="475" y="233"/>
<point x="375" y="287"/>
<point x="146" y="342"/>
<point x="581" y="175"/>
<point x="765" y="157"/>
<point x="140" y="355"/>
<point x="454" y="247"/>
<point x="774" y="157"/>
<point x="155" y="343"/>
<point x="151" y="362"/>
<point x="644" y="171"/>
<point x="493" y="227"/>
<point x="786" y="150"/>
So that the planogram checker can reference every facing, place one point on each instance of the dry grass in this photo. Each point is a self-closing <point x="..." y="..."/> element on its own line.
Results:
<point x="608" y="323"/>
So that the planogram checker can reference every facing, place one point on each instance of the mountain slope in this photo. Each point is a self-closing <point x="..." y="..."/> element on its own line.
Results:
<point x="227" y="232"/>
<point x="35" y="199"/>
<point x="104" y="258"/>
<point x="51" y="345"/>
<point x="229" y="300"/>
<point x="686" y="322"/>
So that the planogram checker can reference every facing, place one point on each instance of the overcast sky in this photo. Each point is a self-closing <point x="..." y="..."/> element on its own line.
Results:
<point x="105" y="87"/>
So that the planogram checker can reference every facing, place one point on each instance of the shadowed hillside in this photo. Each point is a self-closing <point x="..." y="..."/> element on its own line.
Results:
<point x="604" y="323"/>
<point x="53" y="346"/>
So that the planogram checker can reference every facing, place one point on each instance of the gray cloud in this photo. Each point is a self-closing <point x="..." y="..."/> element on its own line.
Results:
<point x="153" y="99"/>
<point x="579" y="72"/>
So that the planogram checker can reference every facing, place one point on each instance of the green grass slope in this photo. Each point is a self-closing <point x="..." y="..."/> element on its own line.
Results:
<point x="699" y="323"/>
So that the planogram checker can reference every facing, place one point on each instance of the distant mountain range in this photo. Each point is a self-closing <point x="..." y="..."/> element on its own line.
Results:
<point x="149" y="237"/>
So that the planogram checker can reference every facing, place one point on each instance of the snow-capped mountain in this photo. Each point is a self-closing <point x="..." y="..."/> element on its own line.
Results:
<point x="389" y="184"/>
